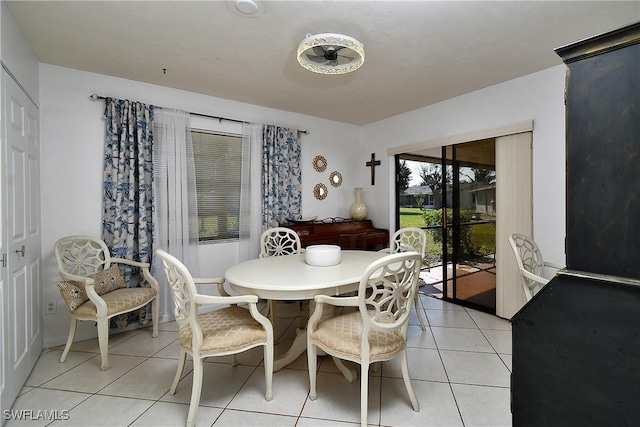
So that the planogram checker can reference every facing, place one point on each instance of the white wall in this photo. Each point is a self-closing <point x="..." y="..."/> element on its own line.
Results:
<point x="538" y="97"/>
<point x="72" y="136"/>
<point x="17" y="55"/>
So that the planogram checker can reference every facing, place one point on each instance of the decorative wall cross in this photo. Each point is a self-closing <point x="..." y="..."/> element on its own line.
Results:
<point x="372" y="164"/>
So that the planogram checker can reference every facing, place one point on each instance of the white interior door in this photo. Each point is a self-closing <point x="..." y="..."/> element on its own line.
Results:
<point x="21" y="277"/>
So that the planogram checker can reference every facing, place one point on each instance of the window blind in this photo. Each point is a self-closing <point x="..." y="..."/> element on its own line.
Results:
<point x="218" y="167"/>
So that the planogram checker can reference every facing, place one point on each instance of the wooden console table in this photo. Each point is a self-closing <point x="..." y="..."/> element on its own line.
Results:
<point x="329" y="232"/>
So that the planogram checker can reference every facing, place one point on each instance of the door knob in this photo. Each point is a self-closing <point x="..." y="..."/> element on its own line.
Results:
<point x="21" y="251"/>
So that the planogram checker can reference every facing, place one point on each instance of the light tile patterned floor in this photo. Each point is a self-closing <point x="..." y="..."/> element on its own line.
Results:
<point x="460" y="370"/>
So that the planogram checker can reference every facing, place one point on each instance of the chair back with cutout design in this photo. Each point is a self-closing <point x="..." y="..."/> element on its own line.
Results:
<point x="279" y="241"/>
<point x="409" y="239"/>
<point x="386" y="293"/>
<point x="530" y="263"/>
<point x="81" y="255"/>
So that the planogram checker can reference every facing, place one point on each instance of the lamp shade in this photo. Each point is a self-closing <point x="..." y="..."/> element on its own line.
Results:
<point x="330" y="53"/>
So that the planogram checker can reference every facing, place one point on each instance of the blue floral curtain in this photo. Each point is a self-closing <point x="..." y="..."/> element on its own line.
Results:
<point x="281" y="176"/>
<point x="128" y="197"/>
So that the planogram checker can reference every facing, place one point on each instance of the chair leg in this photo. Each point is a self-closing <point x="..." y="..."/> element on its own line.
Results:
<point x="72" y="334"/>
<point x="407" y="381"/>
<point x="312" y="360"/>
<point x="176" y="379"/>
<point x="364" y="392"/>
<point x="196" y="388"/>
<point x="103" y="340"/>
<point x="420" y="313"/>
<point x="154" y="317"/>
<point x="268" y="370"/>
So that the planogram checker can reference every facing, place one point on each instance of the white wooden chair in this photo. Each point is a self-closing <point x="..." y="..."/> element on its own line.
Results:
<point x="411" y="239"/>
<point x="278" y="241"/>
<point x="94" y="289"/>
<point x="377" y="331"/>
<point x="530" y="263"/>
<point x="226" y="331"/>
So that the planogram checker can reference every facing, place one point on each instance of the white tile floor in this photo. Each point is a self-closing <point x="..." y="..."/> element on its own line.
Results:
<point x="460" y="370"/>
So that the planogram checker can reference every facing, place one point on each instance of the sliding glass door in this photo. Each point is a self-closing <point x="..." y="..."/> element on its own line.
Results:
<point x="473" y="227"/>
<point x="452" y="197"/>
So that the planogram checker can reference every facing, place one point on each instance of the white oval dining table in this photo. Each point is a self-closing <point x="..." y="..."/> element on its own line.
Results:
<point x="289" y="277"/>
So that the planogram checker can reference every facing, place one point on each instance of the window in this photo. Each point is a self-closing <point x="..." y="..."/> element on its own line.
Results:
<point x="218" y="165"/>
<point x="429" y="200"/>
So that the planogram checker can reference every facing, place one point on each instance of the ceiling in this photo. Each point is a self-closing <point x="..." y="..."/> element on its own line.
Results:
<point x="417" y="52"/>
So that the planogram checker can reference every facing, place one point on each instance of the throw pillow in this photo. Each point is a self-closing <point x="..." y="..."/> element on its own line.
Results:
<point x="108" y="280"/>
<point x="73" y="294"/>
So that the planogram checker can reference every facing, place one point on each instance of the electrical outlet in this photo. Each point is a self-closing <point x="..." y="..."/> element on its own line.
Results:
<point x="50" y="308"/>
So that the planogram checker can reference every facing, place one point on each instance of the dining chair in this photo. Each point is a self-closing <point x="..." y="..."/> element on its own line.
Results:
<point x="530" y="263"/>
<point x="94" y="289"/>
<point x="376" y="331"/>
<point x="278" y="241"/>
<point x="226" y="331"/>
<point x="411" y="239"/>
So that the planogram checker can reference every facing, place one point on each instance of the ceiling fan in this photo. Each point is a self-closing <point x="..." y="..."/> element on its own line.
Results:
<point x="330" y="53"/>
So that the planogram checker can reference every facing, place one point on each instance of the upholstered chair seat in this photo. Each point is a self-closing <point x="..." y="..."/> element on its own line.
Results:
<point x="225" y="330"/>
<point x="343" y="335"/>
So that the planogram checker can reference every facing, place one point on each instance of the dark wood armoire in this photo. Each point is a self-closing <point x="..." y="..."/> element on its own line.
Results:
<point x="576" y="344"/>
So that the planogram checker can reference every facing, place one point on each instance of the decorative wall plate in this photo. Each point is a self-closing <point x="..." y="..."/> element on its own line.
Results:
<point x="335" y="178"/>
<point x="320" y="191"/>
<point x="319" y="163"/>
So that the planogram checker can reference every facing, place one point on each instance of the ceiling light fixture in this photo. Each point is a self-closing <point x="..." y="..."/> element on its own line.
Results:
<point x="330" y="53"/>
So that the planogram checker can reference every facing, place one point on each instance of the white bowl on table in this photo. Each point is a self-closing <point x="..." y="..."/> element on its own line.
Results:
<point x="323" y="255"/>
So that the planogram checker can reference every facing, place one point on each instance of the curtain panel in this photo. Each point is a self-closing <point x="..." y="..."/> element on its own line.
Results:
<point x="127" y="224"/>
<point x="175" y="203"/>
<point x="281" y="176"/>
<point x="174" y="182"/>
<point x="250" y="219"/>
